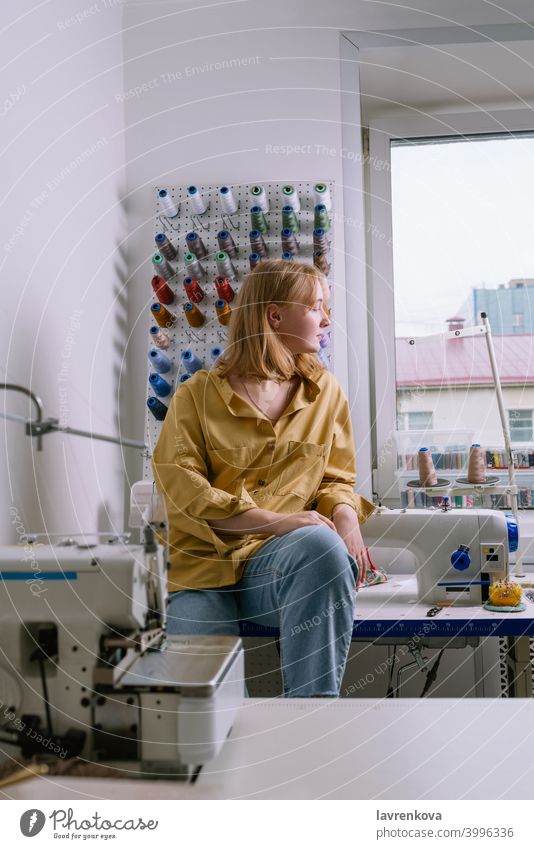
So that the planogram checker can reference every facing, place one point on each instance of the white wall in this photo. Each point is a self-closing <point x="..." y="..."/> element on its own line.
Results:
<point x="255" y="111"/>
<point x="63" y="318"/>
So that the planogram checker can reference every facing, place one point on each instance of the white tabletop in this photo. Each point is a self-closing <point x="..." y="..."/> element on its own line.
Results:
<point x="348" y="749"/>
<point x="396" y="600"/>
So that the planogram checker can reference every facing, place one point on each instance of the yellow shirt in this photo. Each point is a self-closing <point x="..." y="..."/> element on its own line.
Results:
<point x="217" y="456"/>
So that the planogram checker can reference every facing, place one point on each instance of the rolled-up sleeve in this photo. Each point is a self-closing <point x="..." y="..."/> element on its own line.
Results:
<point x="181" y="472"/>
<point x="339" y="479"/>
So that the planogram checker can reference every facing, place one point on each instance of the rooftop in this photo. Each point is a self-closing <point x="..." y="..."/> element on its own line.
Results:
<point x="442" y="361"/>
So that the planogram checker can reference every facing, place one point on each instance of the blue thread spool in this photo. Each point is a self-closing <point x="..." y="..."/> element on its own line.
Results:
<point x="215" y="353"/>
<point x="159" y="361"/>
<point x="158" y="410"/>
<point x="159" y="385"/>
<point x="191" y="362"/>
<point x="287" y="255"/>
<point x="184" y="377"/>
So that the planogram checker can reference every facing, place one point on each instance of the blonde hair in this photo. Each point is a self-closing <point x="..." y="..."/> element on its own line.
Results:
<point x="253" y="346"/>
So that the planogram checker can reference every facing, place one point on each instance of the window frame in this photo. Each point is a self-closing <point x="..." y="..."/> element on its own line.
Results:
<point x="379" y="252"/>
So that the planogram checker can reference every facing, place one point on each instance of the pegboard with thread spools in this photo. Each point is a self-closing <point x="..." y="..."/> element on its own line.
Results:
<point x="206" y="239"/>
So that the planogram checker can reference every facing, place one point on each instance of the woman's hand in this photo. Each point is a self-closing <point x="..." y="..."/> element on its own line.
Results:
<point x="286" y="522"/>
<point x="347" y="525"/>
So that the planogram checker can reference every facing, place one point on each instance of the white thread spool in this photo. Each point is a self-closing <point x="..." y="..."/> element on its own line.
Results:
<point x="290" y="197"/>
<point x="198" y="204"/>
<point x="260" y="198"/>
<point x="321" y="193"/>
<point x="227" y="200"/>
<point x="168" y="205"/>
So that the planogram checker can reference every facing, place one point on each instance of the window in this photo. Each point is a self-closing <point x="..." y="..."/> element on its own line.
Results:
<point x="520" y="425"/>
<point x="450" y="243"/>
<point x="415" y="421"/>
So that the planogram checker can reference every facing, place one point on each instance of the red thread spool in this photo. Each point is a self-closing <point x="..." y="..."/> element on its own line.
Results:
<point x="162" y="291"/>
<point x="193" y="290"/>
<point x="224" y="290"/>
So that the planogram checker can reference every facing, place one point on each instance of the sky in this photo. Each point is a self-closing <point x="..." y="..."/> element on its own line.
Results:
<point x="463" y="217"/>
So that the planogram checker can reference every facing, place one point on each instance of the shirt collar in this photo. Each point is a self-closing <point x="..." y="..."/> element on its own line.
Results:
<point x="305" y="395"/>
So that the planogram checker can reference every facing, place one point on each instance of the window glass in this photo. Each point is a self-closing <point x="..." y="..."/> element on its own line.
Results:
<point x="520" y="425"/>
<point x="462" y="212"/>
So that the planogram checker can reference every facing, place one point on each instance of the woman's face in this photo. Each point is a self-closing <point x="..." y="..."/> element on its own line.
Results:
<point x="300" y="327"/>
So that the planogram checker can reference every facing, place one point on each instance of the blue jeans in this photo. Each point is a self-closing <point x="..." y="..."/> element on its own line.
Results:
<point x="302" y="583"/>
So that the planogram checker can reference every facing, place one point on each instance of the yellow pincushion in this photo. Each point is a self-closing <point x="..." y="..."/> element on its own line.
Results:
<point x="505" y="594"/>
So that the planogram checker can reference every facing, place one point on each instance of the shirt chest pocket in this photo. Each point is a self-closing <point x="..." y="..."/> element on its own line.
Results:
<point x="227" y="468"/>
<point x="303" y="469"/>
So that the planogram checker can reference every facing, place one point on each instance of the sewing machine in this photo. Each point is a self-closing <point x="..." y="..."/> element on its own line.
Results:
<point x="457" y="552"/>
<point x="86" y="666"/>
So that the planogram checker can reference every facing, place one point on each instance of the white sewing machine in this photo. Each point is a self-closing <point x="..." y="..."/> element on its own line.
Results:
<point x="86" y="666"/>
<point x="457" y="552"/>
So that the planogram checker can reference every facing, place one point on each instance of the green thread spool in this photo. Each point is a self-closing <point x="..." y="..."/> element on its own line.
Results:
<point x="258" y="220"/>
<point x="321" y="218"/>
<point x="289" y="219"/>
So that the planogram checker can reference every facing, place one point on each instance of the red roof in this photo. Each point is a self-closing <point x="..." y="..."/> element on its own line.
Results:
<point x="442" y="361"/>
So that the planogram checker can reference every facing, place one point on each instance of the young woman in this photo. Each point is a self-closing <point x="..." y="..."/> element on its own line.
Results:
<point x="255" y="462"/>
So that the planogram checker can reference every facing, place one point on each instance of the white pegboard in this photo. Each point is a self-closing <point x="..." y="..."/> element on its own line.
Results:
<point x="212" y="333"/>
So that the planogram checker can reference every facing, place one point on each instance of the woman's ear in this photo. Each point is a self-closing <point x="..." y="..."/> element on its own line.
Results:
<point x="273" y="315"/>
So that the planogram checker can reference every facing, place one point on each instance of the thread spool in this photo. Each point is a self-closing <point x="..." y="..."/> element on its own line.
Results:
<point x="159" y="385"/>
<point x="191" y="362"/>
<point x="215" y="353"/>
<point x="193" y="267"/>
<point x="158" y="410"/>
<point x="320" y="217"/>
<point x="159" y="361"/>
<point x="291" y="198"/>
<point x="184" y="377"/>
<point x="223" y="311"/>
<point x="163" y="317"/>
<point x="321" y="194"/>
<point x="254" y="259"/>
<point x="196" y="201"/>
<point x="320" y="241"/>
<point x="427" y="472"/>
<point x="164" y="246"/>
<point x="194" y="317"/>
<point x="170" y="209"/>
<point x="224" y="290"/>
<point x="287" y="255"/>
<point x="289" y="219"/>
<point x="259" y="197"/>
<point x="320" y="262"/>
<point x="159" y="337"/>
<point x="257" y="243"/>
<point x="225" y="266"/>
<point x="195" y="245"/>
<point x="162" y="290"/>
<point x="258" y="220"/>
<point x="162" y="267"/>
<point x="289" y="243"/>
<point x="193" y="290"/>
<point x="324" y="341"/>
<point x="226" y="199"/>
<point x="476" y="468"/>
<point x="227" y="244"/>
